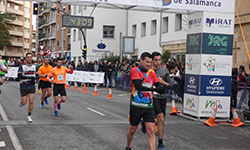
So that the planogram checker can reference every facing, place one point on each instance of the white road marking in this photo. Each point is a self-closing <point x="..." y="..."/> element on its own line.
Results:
<point x="2" y="144"/>
<point x="95" y="111"/>
<point x="12" y="134"/>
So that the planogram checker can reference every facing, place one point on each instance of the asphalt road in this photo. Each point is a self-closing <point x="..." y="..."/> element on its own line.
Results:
<point x="87" y="122"/>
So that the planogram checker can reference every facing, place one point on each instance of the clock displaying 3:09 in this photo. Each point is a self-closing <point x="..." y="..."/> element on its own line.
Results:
<point x="78" y="21"/>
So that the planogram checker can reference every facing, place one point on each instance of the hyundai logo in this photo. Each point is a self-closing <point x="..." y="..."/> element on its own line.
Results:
<point x="191" y="80"/>
<point x="215" y="81"/>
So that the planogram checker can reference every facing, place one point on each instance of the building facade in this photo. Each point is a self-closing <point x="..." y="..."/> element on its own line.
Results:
<point x="50" y="30"/>
<point x="111" y="24"/>
<point x="20" y="29"/>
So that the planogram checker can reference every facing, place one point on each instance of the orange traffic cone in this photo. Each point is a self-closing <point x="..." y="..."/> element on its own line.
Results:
<point x="237" y="122"/>
<point x="75" y="88"/>
<point x="210" y="121"/>
<point x="67" y="85"/>
<point x="174" y="109"/>
<point x="95" y="91"/>
<point x="110" y="94"/>
<point x="84" y="89"/>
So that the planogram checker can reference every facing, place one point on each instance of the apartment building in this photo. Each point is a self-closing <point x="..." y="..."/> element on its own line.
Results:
<point x="50" y="30"/>
<point x="20" y="29"/>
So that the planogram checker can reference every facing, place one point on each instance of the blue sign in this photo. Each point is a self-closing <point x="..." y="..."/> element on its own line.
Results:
<point x="215" y="85"/>
<point x="191" y="84"/>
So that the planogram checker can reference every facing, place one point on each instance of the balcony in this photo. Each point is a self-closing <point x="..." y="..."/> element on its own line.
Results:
<point x="42" y="36"/>
<point x="69" y="47"/>
<point x="52" y="19"/>
<point x="26" y="35"/>
<point x="19" y="44"/>
<point x="43" y="10"/>
<point x="33" y="49"/>
<point x="16" y="33"/>
<point x="17" y="2"/>
<point x="26" y="25"/>
<point x="51" y="48"/>
<point x="26" y="45"/>
<point x="14" y="11"/>
<point x="14" y="54"/>
<point x="52" y="35"/>
<point x="16" y="22"/>
<point x="2" y="8"/>
<point x="43" y="22"/>
<point x="51" y="5"/>
<point x="33" y="40"/>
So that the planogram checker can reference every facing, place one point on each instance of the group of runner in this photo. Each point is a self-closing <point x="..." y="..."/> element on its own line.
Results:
<point x="148" y="99"/>
<point x="28" y="73"/>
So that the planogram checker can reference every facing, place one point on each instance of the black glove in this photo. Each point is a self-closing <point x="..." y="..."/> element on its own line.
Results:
<point x="46" y="76"/>
<point x="160" y="89"/>
<point x="33" y="78"/>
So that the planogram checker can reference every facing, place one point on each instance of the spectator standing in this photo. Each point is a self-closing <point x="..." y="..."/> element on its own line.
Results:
<point x="90" y="67"/>
<point x="101" y="69"/>
<point x="96" y="66"/>
<point x="109" y="71"/>
<point x="105" y="70"/>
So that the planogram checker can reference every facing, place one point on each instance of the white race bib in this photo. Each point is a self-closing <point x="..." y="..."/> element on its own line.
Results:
<point x="60" y="77"/>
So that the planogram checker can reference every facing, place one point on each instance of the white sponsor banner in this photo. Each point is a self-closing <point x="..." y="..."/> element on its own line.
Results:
<point x="12" y="72"/>
<point x="86" y="77"/>
<point x="209" y="103"/>
<point x="191" y="104"/>
<point x="223" y="6"/>
<point x="193" y="63"/>
<point x="195" y="23"/>
<point x="218" y="23"/>
<point x="216" y="65"/>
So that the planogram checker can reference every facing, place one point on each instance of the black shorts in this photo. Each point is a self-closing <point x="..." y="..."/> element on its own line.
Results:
<point x="136" y="114"/>
<point x="159" y="105"/>
<point x="59" y="89"/>
<point x="25" y="92"/>
<point x="45" y="84"/>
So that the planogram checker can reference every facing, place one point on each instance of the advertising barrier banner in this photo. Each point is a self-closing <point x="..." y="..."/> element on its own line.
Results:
<point x="193" y="64"/>
<point x="86" y="77"/>
<point x="194" y="43"/>
<point x="12" y="72"/>
<point x="191" y="104"/>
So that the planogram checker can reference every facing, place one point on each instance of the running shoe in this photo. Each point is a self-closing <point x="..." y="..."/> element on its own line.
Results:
<point x="56" y="114"/>
<point x="20" y="104"/>
<point x="128" y="148"/>
<point x="143" y="127"/>
<point x="161" y="147"/>
<point x="58" y="106"/>
<point x="29" y="120"/>
<point x="42" y="105"/>
<point x="46" y="101"/>
<point x="0" y="91"/>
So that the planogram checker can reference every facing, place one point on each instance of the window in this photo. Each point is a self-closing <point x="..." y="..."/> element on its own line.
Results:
<point x="74" y="35"/>
<point x="27" y="40"/>
<point x="134" y="30"/>
<point x="16" y="39"/>
<point x="63" y="41"/>
<point x="16" y="28"/>
<point x="57" y="26"/>
<point x="16" y="49"/>
<point x="8" y="4"/>
<point x="27" y="9"/>
<point x="108" y="31"/>
<point x="1" y="12"/>
<point x="153" y="27"/>
<point x="79" y="9"/>
<point x="143" y="29"/>
<point x="74" y="9"/>
<point x="178" y="22"/>
<point x="79" y="34"/>
<point x="165" y="25"/>
<point x="17" y="18"/>
<point x="16" y="7"/>
<point x="26" y="30"/>
<point x="2" y="2"/>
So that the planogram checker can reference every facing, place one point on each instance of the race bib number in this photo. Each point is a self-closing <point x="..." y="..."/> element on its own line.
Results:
<point x="148" y="85"/>
<point x="60" y="77"/>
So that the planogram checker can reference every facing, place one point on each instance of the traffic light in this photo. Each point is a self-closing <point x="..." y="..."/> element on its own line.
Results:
<point x="35" y="8"/>
<point x="84" y="52"/>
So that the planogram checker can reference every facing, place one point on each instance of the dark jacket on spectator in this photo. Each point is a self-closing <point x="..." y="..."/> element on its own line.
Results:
<point x="90" y="66"/>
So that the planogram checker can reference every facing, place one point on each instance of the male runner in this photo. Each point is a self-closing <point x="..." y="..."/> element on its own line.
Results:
<point x="59" y="75"/>
<point x="2" y="73"/>
<point x="159" y="100"/>
<point x="38" y="65"/>
<point x="143" y="82"/>
<point x="44" y="83"/>
<point x="27" y="76"/>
